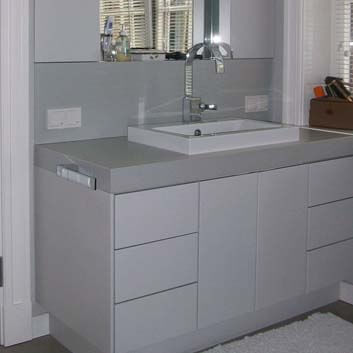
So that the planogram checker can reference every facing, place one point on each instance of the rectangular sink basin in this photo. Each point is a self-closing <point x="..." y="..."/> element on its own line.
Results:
<point x="214" y="136"/>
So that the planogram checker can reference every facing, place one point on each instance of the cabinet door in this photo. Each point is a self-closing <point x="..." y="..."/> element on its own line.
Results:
<point x="227" y="243"/>
<point x="282" y="229"/>
<point x="66" y="30"/>
<point x="252" y="28"/>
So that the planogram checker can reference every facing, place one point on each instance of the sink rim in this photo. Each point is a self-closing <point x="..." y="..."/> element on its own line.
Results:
<point x="155" y="128"/>
<point x="221" y="142"/>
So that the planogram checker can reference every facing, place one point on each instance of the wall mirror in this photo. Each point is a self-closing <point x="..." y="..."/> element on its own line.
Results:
<point x="168" y="25"/>
<point x="165" y="25"/>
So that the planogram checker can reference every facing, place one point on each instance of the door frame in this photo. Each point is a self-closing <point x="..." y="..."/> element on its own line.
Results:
<point x="16" y="167"/>
<point x="16" y="148"/>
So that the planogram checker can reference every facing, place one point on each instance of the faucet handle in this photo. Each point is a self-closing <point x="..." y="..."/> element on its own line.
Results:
<point x="191" y="109"/>
<point x="204" y="107"/>
<point x="228" y="49"/>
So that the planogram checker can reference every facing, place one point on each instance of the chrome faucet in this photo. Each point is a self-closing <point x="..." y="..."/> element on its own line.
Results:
<point x="193" y="106"/>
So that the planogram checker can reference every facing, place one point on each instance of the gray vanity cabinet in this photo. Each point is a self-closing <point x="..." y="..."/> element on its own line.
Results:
<point x="227" y="248"/>
<point x="66" y="30"/>
<point x="163" y="267"/>
<point x="252" y="28"/>
<point x="74" y="273"/>
<point x="282" y="229"/>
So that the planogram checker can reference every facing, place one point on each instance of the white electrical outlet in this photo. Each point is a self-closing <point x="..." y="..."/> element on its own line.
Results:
<point x="255" y="104"/>
<point x="64" y="118"/>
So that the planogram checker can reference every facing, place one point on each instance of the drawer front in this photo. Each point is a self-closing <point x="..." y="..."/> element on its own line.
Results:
<point x="152" y="268"/>
<point x="331" y="181"/>
<point x="153" y="215"/>
<point x="330" y="223"/>
<point x="153" y="319"/>
<point x="330" y="265"/>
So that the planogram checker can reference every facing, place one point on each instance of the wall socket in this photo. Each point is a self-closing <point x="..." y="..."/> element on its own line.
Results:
<point x="64" y="118"/>
<point x="256" y="104"/>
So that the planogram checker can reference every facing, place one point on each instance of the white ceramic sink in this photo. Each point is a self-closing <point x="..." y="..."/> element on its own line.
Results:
<point x="204" y="137"/>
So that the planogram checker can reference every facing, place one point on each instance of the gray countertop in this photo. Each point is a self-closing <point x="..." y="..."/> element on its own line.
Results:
<point x="121" y="166"/>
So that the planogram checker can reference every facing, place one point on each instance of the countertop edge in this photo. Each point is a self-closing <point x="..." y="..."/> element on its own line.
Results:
<point x="200" y="168"/>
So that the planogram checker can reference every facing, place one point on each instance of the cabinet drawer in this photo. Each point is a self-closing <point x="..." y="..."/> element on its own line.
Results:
<point x="330" y="223"/>
<point x="330" y="265"/>
<point x="331" y="181"/>
<point x="152" y="268"/>
<point x="153" y="319"/>
<point x="154" y="215"/>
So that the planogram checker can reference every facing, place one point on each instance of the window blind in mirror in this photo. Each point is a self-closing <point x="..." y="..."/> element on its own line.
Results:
<point x="172" y="25"/>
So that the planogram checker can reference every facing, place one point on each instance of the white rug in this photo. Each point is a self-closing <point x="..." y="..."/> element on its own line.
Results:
<point x="321" y="333"/>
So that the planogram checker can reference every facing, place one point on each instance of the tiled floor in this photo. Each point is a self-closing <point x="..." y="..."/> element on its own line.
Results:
<point x="41" y="345"/>
<point x="49" y="345"/>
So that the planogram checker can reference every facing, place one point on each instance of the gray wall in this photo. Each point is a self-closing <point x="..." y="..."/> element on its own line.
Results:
<point x="114" y="95"/>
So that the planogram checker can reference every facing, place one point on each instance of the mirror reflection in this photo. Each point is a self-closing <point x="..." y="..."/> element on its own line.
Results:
<point x="154" y="25"/>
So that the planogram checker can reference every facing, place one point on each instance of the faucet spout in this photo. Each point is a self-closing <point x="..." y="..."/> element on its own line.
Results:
<point x="191" y="109"/>
<point x="190" y="57"/>
<point x="217" y="56"/>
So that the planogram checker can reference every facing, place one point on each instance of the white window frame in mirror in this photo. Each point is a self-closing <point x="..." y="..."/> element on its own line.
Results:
<point x="199" y="17"/>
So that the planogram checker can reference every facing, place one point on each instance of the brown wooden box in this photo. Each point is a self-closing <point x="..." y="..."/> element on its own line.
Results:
<point x="334" y="113"/>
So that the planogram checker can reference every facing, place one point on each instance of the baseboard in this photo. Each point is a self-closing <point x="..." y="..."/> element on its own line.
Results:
<point x="346" y="292"/>
<point x="70" y="339"/>
<point x="204" y="338"/>
<point x="40" y="326"/>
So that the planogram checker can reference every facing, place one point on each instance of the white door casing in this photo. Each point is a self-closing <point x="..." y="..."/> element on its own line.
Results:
<point x="15" y="170"/>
